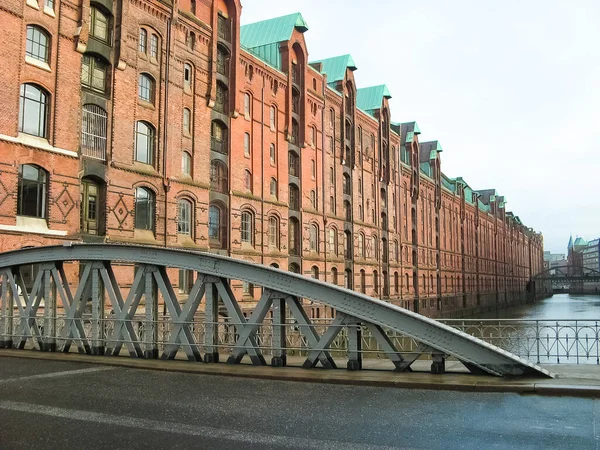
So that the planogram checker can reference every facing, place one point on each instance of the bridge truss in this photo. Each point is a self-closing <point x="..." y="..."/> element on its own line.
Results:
<point x="99" y="315"/>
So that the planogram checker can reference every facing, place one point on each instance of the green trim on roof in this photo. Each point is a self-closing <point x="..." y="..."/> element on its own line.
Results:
<point x="335" y="68"/>
<point x="268" y="53"/>
<point x="371" y="98"/>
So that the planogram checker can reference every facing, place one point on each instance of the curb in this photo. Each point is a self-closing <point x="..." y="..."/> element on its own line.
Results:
<point x="468" y="383"/>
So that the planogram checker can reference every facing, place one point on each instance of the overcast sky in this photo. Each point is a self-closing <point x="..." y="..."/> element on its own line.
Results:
<point x="511" y="90"/>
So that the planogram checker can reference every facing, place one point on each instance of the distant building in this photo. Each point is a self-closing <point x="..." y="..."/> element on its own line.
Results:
<point x="591" y="255"/>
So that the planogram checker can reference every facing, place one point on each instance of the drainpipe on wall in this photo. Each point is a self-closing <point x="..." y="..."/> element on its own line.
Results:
<point x="323" y="177"/>
<point x="262" y="172"/>
<point x="166" y="181"/>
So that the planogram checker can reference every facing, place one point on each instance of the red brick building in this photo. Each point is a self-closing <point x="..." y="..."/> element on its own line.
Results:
<point x="169" y="124"/>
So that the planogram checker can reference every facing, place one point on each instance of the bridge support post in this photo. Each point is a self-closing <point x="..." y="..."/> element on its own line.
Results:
<point x="97" y="310"/>
<point x="438" y="365"/>
<point x="49" y="294"/>
<point x="6" y="310"/>
<point x="211" y="325"/>
<point x="354" y="344"/>
<point x="150" y="336"/>
<point x="279" y="358"/>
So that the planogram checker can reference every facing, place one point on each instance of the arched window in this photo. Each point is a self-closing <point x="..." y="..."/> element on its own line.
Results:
<point x="273" y="187"/>
<point x="294" y="236"/>
<point x="153" y="46"/>
<point x="94" y="73"/>
<point x="144" y="143"/>
<point x="385" y="247"/>
<point x="272" y="117"/>
<point x="272" y="154"/>
<point x="216" y="226"/>
<point x="314" y="272"/>
<point x="313" y="242"/>
<point x="363" y="282"/>
<point x="34" y="107"/>
<point x="247" y="227"/>
<point x="218" y="176"/>
<point x="348" y="281"/>
<point x="186" y="163"/>
<point x="273" y="232"/>
<point x="187" y="121"/>
<point x="218" y="137"/>
<point x="144" y="209"/>
<point x="247" y="144"/>
<point x="334" y="275"/>
<point x="248" y="180"/>
<point x="38" y="44"/>
<point x="184" y="217"/>
<point x="348" y="244"/>
<point x="146" y="88"/>
<point x="347" y="184"/>
<point x="294" y="194"/>
<point x="313" y="199"/>
<point x="375" y="281"/>
<point x="294" y="268"/>
<point x="396" y="283"/>
<point x="294" y="164"/>
<point x="32" y="194"/>
<point x="222" y="60"/>
<point x="100" y="25"/>
<point x="331" y="118"/>
<point x="396" y="251"/>
<point x="93" y="131"/>
<point x="333" y="241"/>
<point x="407" y="282"/>
<point x="187" y="76"/>
<point x="143" y="41"/>
<point x="191" y="40"/>
<point x="361" y="245"/>
<point x="247" y="105"/>
<point x="376" y="247"/>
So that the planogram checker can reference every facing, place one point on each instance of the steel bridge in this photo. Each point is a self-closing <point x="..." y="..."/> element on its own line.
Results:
<point x="568" y="275"/>
<point x="99" y="315"/>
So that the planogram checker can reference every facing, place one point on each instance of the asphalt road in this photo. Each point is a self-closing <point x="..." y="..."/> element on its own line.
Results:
<point x="58" y="405"/>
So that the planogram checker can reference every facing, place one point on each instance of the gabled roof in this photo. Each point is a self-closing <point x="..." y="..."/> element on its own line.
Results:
<point x="580" y="241"/>
<point x="371" y="98"/>
<point x="335" y="68"/>
<point x="408" y="131"/>
<point x="262" y="38"/>
<point x="487" y="195"/>
<point x="429" y="150"/>
<point x="271" y="31"/>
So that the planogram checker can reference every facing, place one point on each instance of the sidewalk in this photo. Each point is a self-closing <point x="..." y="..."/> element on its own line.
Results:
<point x="570" y="380"/>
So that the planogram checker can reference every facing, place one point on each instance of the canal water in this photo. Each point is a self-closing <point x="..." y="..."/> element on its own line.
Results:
<point x="558" y="307"/>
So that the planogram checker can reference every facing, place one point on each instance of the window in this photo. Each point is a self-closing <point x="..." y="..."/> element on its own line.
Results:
<point x="347" y="211"/>
<point x="184" y="217"/>
<point x="144" y="209"/>
<point x="294" y="236"/>
<point x="247" y="228"/>
<point x="93" y="131"/>
<point x="186" y="281"/>
<point x="32" y="191"/>
<point x="294" y="194"/>
<point x="294" y="164"/>
<point x="332" y="204"/>
<point x="348" y="244"/>
<point x="38" y="44"/>
<point x="248" y="180"/>
<point x="295" y="132"/>
<point x="99" y="25"/>
<point x="334" y="276"/>
<point x="218" y="138"/>
<point x="348" y="282"/>
<point x="144" y="143"/>
<point x="247" y="144"/>
<point x="222" y="61"/>
<point x="313" y="169"/>
<point x="247" y="105"/>
<point x="273" y="187"/>
<point x="361" y="245"/>
<point x="331" y="118"/>
<point x="313" y="199"/>
<point x="314" y="272"/>
<point x="363" y="283"/>
<point x="272" y="114"/>
<point x="154" y="46"/>
<point x="218" y="176"/>
<point x="187" y="76"/>
<point x="347" y="184"/>
<point x="272" y="154"/>
<point x="273" y="232"/>
<point x="247" y="288"/>
<point x="313" y="136"/>
<point x="191" y="41"/>
<point x="222" y="99"/>
<point x="376" y="247"/>
<point x="333" y="241"/>
<point x="146" y="88"/>
<point x="216" y="230"/>
<point x="375" y="281"/>
<point x="33" y="112"/>
<point x="142" y="41"/>
<point x="93" y="73"/>
<point x="313" y="241"/>
<point x="187" y="121"/>
<point x="186" y="163"/>
<point x="49" y="4"/>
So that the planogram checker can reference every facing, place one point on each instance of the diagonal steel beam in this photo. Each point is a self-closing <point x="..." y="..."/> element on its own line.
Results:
<point x="325" y="340"/>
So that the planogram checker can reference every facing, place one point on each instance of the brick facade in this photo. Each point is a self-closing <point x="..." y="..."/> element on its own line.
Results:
<point x="372" y="210"/>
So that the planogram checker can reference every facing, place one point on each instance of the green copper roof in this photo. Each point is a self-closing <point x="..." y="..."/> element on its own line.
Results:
<point x="263" y="38"/>
<point x="408" y="131"/>
<point x="335" y="68"/>
<point x="580" y="241"/>
<point x="370" y="98"/>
